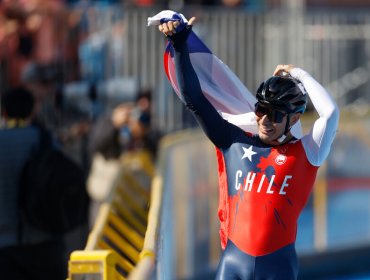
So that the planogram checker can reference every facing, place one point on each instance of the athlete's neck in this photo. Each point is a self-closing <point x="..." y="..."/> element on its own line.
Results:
<point x="288" y="138"/>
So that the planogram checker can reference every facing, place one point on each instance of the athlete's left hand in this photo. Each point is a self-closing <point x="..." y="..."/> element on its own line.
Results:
<point x="283" y="68"/>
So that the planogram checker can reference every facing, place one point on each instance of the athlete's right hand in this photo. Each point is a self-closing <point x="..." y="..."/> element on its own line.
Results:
<point x="169" y="28"/>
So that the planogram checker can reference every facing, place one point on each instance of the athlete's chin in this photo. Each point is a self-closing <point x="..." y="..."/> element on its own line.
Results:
<point x="267" y="138"/>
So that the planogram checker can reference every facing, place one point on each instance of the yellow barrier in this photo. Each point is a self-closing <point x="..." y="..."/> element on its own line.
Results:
<point x="115" y="244"/>
<point x="98" y="265"/>
<point x="145" y="266"/>
<point x="116" y="247"/>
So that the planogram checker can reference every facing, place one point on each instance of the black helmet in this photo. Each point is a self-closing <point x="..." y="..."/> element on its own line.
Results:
<point x="283" y="93"/>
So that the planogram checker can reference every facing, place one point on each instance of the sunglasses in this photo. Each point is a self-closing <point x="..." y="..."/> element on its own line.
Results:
<point x="273" y="115"/>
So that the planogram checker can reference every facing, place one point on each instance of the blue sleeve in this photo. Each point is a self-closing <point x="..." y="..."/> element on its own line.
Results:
<point x="218" y="130"/>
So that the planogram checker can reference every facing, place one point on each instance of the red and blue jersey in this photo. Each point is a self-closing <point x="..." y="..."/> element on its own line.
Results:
<point x="262" y="188"/>
<point x="262" y="192"/>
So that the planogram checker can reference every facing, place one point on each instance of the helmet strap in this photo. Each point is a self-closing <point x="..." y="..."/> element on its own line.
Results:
<point x="283" y="136"/>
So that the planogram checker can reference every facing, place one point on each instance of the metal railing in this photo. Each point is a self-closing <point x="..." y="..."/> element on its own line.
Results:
<point x="114" y="43"/>
<point x="331" y="44"/>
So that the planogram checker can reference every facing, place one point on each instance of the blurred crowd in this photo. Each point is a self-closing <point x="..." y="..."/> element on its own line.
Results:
<point x="44" y="46"/>
<point x="42" y="49"/>
<point x="47" y="43"/>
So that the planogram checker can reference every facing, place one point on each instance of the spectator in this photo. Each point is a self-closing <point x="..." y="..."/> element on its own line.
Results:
<point x="108" y="134"/>
<point x="25" y="252"/>
<point x="42" y="81"/>
<point x="126" y="128"/>
<point x="145" y="136"/>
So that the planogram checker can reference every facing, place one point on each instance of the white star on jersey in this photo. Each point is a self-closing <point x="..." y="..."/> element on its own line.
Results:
<point x="248" y="153"/>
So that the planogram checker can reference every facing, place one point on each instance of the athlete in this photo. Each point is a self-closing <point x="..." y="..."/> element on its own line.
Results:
<point x="267" y="177"/>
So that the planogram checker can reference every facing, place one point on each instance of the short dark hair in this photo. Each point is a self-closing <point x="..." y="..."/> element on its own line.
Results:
<point x="17" y="103"/>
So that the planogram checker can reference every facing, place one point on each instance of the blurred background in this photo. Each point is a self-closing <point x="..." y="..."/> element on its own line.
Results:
<point x="83" y="58"/>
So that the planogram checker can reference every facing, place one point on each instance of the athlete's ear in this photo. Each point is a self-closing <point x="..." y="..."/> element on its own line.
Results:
<point x="294" y="118"/>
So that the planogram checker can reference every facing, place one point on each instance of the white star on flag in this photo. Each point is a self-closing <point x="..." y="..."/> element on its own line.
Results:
<point x="248" y="153"/>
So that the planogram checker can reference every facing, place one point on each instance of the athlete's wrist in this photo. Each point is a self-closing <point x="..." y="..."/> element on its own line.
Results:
<point x="178" y="40"/>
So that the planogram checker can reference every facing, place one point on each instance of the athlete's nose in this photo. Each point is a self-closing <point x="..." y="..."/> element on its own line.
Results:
<point x="265" y="120"/>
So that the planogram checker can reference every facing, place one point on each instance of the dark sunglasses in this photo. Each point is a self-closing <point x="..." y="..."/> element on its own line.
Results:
<point x="273" y="115"/>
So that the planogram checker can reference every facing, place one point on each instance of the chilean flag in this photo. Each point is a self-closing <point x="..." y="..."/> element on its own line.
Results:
<point x="219" y="84"/>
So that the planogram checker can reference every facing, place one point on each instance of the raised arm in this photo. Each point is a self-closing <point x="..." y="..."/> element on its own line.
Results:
<point x="318" y="141"/>
<point x="216" y="128"/>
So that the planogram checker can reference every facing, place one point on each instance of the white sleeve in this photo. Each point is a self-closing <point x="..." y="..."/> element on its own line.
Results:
<point x="318" y="141"/>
